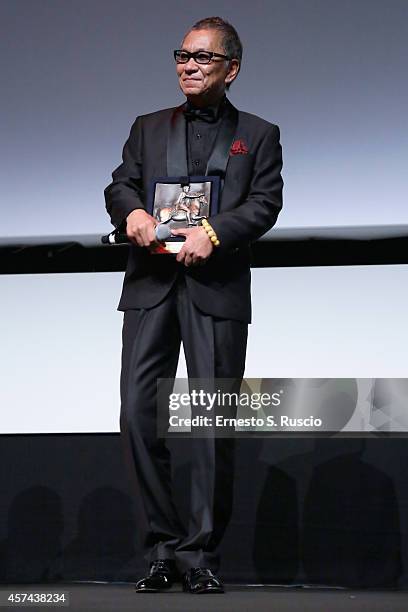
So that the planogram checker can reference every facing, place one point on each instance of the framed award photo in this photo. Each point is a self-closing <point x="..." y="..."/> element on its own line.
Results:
<point x="181" y="202"/>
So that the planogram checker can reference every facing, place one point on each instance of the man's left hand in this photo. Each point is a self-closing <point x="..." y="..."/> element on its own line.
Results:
<point x="197" y="247"/>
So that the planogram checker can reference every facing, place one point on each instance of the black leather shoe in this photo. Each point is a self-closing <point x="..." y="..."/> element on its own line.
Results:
<point x="201" y="580"/>
<point x="161" y="577"/>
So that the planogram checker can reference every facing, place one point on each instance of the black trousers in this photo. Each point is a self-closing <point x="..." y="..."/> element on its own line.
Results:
<point x="214" y="348"/>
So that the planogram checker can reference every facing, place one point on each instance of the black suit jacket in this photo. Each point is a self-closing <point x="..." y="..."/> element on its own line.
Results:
<point x="250" y="203"/>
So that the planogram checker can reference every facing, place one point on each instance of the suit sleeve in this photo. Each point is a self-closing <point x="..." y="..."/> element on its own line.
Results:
<point x="125" y="192"/>
<point x="259" y="211"/>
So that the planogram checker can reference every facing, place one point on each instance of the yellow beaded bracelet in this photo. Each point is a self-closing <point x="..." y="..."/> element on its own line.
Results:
<point x="211" y="234"/>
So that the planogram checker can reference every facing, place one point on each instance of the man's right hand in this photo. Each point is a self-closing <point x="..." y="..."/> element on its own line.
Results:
<point x="140" y="228"/>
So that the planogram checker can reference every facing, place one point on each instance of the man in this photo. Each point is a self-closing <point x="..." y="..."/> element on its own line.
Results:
<point x="200" y="297"/>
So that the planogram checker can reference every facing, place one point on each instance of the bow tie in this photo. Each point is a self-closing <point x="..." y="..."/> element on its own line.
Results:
<point x="206" y="114"/>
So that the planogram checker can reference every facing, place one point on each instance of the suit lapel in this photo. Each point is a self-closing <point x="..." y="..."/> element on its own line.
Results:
<point x="217" y="163"/>
<point x="177" y="144"/>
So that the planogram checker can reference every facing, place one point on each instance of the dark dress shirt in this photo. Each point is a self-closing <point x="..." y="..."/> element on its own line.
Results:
<point x="201" y="135"/>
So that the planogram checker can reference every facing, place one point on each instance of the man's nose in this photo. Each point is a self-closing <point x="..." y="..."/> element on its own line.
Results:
<point x="191" y="66"/>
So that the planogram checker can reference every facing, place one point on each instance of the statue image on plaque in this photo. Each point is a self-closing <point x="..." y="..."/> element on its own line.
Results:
<point x="180" y="202"/>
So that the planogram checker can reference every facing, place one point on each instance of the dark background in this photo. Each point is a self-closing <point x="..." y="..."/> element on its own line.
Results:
<point x="319" y="511"/>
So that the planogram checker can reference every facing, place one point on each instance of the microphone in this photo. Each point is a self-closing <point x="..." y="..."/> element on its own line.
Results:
<point x="162" y="231"/>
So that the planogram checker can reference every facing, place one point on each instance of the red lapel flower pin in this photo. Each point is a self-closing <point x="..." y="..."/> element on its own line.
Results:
<point x="238" y="147"/>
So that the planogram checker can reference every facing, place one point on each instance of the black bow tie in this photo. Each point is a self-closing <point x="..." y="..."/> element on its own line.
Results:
<point x="206" y="114"/>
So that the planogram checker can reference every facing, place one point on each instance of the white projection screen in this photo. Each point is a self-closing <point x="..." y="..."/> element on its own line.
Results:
<point x="61" y="339"/>
<point x="74" y="77"/>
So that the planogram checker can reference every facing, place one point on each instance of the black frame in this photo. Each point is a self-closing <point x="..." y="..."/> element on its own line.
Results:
<point x="194" y="56"/>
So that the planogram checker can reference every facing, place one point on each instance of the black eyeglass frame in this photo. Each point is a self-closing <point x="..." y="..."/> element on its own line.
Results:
<point x="194" y="55"/>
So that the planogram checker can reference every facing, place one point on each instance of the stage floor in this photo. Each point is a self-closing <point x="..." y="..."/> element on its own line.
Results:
<point x="84" y="597"/>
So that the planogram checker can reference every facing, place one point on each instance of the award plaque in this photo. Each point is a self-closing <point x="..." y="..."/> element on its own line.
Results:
<point x="182" y="202"/>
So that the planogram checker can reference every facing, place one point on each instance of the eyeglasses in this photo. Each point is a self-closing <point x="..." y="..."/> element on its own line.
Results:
<point x="201" y="57"/>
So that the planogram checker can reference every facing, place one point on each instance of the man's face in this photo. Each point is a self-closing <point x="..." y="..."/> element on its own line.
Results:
<point x="205" y="83"/>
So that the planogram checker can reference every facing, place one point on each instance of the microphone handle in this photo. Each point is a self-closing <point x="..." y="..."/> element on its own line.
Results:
<point x="162" y="232"/>
<point x="115" y="238"/>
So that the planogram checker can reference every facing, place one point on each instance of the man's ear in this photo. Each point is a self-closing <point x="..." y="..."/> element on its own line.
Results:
<point x="233" y="69"/>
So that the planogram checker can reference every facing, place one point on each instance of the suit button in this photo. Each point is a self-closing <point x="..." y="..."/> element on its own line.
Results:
<point x="196" y="162"/>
